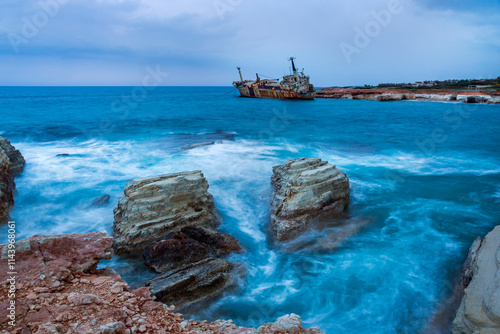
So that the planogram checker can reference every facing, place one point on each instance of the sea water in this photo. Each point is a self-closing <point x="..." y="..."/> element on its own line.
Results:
<point x="425" y="182"/>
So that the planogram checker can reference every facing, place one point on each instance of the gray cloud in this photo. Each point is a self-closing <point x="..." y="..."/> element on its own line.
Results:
<point x="111" y="41"/>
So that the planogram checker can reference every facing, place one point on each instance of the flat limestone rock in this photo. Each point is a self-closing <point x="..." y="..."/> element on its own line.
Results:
<point x="153" y="207"/>
<point x="479" y="310"/>
<point x="305" y="189"/>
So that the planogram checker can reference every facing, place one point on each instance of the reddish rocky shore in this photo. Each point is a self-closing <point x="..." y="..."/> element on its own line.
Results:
<point x="59" y="290"/>
<point x="403" y="94"/>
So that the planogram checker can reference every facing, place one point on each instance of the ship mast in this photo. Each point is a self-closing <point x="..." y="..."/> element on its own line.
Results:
<point x="293" y="65"/>
<point x="239" y="70"/>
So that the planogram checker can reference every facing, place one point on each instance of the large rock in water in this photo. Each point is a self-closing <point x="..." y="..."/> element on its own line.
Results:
<point x="479" y="311"/>
<point x="305" y="188"/>
<point x="151" y="208"/>
<point x="15" y="157"/>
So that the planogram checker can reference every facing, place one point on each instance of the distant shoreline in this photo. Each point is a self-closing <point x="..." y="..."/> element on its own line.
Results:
<point x="391" y="94"/>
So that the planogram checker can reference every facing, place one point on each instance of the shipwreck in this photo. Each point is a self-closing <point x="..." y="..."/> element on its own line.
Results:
<point x="294" y="86"/>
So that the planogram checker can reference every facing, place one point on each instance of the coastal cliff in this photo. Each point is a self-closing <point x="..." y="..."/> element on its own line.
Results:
<point x="60" y="290"/>
<point x="386" y="95"/>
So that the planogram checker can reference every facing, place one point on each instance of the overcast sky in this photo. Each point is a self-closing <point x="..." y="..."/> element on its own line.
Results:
<point x="200" y="42"/>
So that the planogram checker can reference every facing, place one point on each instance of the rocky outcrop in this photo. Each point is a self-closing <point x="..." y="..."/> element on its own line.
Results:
<point x="16" y="159"/>
<point x="287" y="324"/>
<point x="478" y="98"/>
<point x="11" y="164"/>
<point x="151" y="208"/>
<point x="59" y="290"/>
<point x="305" y="188"/>
<point x="193" y="284"/>
<point x="191" y="271"/>
<point x="290" y="323"/>
<point x="169" y="218"/>
<point x="479" y="310"/>
<point x="383" y="94"/>
<point x="6" y="186"/>
<point x="189" y="245"/>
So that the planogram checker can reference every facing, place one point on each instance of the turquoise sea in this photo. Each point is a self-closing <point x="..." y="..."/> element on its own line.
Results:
<point x="425" y="182"/>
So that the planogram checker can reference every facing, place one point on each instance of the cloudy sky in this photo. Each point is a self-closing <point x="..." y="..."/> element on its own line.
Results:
<point x="200" y="42"/>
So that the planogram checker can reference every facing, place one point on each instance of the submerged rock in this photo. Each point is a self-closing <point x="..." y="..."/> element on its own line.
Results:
<point x="479" y="310"/>
<point x="101" y="201"/>
<point x="151" y="208"/>
<point x="196" y="145"/>
<point x="304" y="189"/>
<point x="15" y="157"/>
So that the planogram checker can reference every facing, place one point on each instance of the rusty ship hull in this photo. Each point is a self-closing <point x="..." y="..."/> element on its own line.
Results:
<point x="249" y="91"/>
<point x="294" y="86"/>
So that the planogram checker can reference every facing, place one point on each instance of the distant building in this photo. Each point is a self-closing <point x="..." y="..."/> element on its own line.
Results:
<point x="478" y="87"/>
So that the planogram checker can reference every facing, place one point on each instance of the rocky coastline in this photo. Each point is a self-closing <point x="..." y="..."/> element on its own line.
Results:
<point x="171" y="220"/>
<point x="386" y="95"/>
